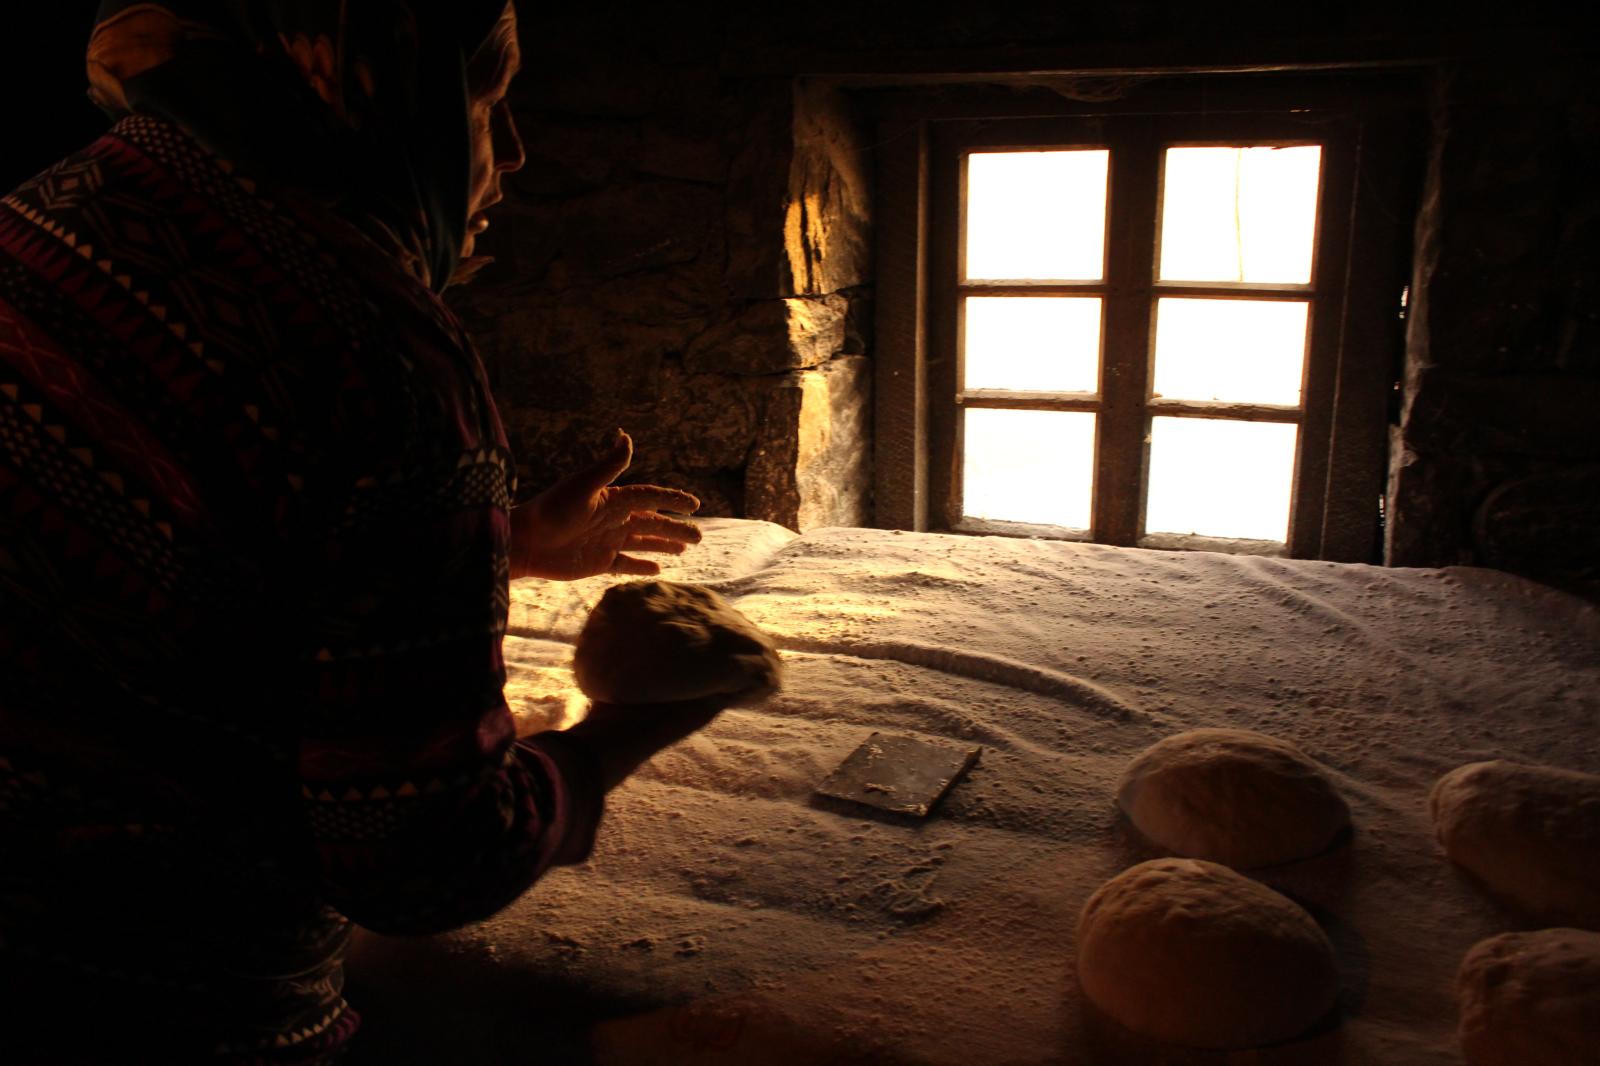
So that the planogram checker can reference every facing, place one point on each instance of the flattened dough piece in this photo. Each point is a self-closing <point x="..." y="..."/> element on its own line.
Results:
<point x="1530" y="833"/>
<point x="1232" y="796"/>
<point x="1531" y="999"/>
<point x="662" y="642"/>
<point x="1192" y="953"/>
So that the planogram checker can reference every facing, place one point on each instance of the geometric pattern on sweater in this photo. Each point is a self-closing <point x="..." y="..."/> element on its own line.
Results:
<point x="234" y="445"/>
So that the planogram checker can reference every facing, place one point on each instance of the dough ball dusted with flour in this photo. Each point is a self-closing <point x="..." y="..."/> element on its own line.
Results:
<point x="1192" y="953"/>
<point x="662" y="642"/>
<point x="1232" y="796"/>
<point x="1530" y="833"/>
<point x="1531" y="999"/>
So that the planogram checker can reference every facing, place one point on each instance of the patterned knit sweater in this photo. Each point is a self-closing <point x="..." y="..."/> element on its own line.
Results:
<point x="253" y="585"/>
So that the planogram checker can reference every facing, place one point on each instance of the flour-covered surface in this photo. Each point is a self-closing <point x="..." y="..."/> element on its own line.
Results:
<point x="725" y="918"/>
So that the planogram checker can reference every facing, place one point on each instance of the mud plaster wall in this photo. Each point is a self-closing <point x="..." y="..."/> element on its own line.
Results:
<point x="686" y="253"/>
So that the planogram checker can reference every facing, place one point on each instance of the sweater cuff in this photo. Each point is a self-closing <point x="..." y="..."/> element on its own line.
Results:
<point x="578" y="801"/>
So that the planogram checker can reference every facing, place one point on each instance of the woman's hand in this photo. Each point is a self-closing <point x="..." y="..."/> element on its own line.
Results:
<point x="622" y="738"/>
<point x="582" y="525"/>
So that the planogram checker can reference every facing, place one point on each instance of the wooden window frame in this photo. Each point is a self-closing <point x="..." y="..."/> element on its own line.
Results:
<point x="1371" y="148"/>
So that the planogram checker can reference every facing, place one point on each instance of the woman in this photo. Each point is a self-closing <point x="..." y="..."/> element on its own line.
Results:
<point x="256" y="532"/>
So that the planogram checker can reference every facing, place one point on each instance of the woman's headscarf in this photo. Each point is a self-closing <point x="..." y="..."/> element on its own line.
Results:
<point x="361" y="104"/>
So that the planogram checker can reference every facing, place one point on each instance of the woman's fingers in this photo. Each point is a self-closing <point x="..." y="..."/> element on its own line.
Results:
<point x="653" y="498"/>
<point x="627" y="564"/>
<point x="673" y="529"/>
<point x="639" y="543"/>
<point x="608" y="467"/>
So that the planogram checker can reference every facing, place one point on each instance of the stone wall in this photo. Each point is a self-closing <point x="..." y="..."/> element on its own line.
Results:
<point x="686" y="253"/>
<point x="1497" y="457"/>
<point x="684" y="256"/>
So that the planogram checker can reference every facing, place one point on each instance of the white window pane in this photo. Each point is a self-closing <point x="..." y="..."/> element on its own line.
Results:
<point x="1241" y="351"/>
<point x="1239" y="214"/>
<point x="1036" y="215"/>
<point x="1220" y="478"/>
<point x="1028" y="466"/>
<point x="1044" y="343"/>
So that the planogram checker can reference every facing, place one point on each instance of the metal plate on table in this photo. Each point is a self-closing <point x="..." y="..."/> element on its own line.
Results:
<point x="902" y="775"/>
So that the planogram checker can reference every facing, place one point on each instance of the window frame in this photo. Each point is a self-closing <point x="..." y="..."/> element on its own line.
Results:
<point x="1371" y="140"/>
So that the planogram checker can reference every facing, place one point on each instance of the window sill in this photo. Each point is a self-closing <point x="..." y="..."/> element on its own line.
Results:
<point x="995" y="527"/>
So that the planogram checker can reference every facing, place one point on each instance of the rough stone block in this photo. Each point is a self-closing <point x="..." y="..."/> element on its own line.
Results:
<point x="683" y="150"/>
<point x="773" y="336"/>
<point x="689" y="293"/>
<point x="568" y="156"/>
<point x="835" y="469"/>
<point x="619" y="81"/>
<point x="827" y="219"/>
<point x="1425" y="525"/>
<point x="770" y="490"/>
<point x="758" y="183"/>
<point x="798" y="216"/>
<point x="1543" y="525"/>
<point x="706" y="421"/>
<point x="637" y="226"/>
<point x="1545" y="415"/>
<point x="811" y="466"/>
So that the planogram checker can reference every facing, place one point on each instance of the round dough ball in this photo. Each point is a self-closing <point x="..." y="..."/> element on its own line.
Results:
<point x="1232" y="796"/>
<point x="1531" y="999"/>
<point x="1530" y="833"/>
<point x="1190" y="952"/>
<point x="662" y="642"/>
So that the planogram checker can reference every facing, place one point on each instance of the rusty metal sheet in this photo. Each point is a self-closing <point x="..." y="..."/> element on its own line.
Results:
<point x="901" y="775"/>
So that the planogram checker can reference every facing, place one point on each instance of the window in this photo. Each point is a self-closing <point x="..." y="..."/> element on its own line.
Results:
<point x="1151" y="327"/>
